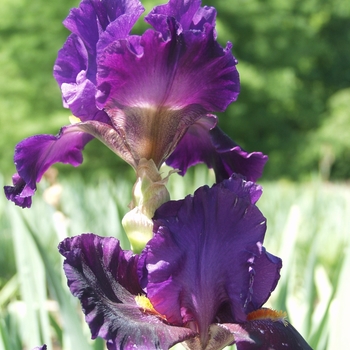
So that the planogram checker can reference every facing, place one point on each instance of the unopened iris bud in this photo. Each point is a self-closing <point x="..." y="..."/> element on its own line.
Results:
<point x="148" y="194"/>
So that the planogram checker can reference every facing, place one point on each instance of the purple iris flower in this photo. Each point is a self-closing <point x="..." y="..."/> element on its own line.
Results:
<point x="148" y="96"/>
<point x="202" y="279"/>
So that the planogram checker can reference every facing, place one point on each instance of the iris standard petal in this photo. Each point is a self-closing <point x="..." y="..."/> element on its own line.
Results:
<point x="189" y="14"/>
<point x="104" y="278"/>
<point x="91" y="19"/>
<point x="203" y="258"/>
<point x="185" y="69"/>
<point x="76" y="65"/>
<point x="204" y="142"/>
<point x="161" y="87"/>
<point x="79" y="97"/>
<point x="34" y="155"/>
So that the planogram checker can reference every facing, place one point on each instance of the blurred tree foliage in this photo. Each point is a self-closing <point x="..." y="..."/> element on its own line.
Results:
<point x="295" y="73"/>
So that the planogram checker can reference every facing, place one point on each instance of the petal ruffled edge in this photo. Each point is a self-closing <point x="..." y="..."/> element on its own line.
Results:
<point x="104" y="278"/>
<point x="205" y="142"/>
<point x="185" y="69"/>
<point x="189" y="14"/>
<point x="199" y="240"/>
<point x="34" y="155"/>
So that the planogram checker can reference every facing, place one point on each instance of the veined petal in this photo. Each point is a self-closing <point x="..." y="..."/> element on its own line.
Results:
<point x="156" y="89"/>
<point x="203" y="260"/>
<point x="34" y="155"/>
<point x="204" y="142"/>
<point x="104" y="278"/>
<point x="153" y="133"/>
<point x="218" y="339"/>
<point x="113" y="138"/>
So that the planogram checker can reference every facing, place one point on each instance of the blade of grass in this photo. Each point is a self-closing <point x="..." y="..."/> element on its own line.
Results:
<point x="339" y="324"/>
<point x="9" y="331"/>
<point x="9" y="290"/>
<point x="31" y="275"/>
<point x="72" y="323"/>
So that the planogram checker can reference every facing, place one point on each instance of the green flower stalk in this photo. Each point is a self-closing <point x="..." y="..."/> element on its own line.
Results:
<point x="148" y="194"/>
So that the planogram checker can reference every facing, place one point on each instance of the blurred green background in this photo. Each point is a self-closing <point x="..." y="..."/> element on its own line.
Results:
<point x="293" y="60"/>
<point x="294" y="106"/>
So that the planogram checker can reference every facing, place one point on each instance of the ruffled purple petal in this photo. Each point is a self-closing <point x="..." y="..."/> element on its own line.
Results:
<point x="72" y="59"/>
<point x="104" y="278"/>
<point x="247" y="190"/>
<point x="189" y="14"/>
<point x="234" y="159"/>
<point x="186" y="69"/>
<point x="203" y="259"/>
<point x="121" y="27"/>
<point x="77" y="78"/>
<point x="80" y="99"/>
<point x="154" y="89"/>
<point x="266" y="334"/>
<point x="34" y="155"/>
<point x="204" y="142"/>
<point x="76" y="65"/>
<point x="19" y="193"/>
<point x="91" y="19"/>
<point x="266" y="275"/>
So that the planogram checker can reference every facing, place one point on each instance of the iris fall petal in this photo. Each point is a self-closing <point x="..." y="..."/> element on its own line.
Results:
<point x="204" y="258"/>
<point x="104" y="278"/>
<point x="204" y="142"/>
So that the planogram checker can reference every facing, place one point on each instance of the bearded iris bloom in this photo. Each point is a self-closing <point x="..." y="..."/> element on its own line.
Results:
<point x="146" y="97"/>
<point x="201" y="280"/>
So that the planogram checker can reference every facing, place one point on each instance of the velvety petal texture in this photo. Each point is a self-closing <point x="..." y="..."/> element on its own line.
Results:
<point x="266" y="334"/>
<point x="104" y="278"/>
<point x="204" y="261"/>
